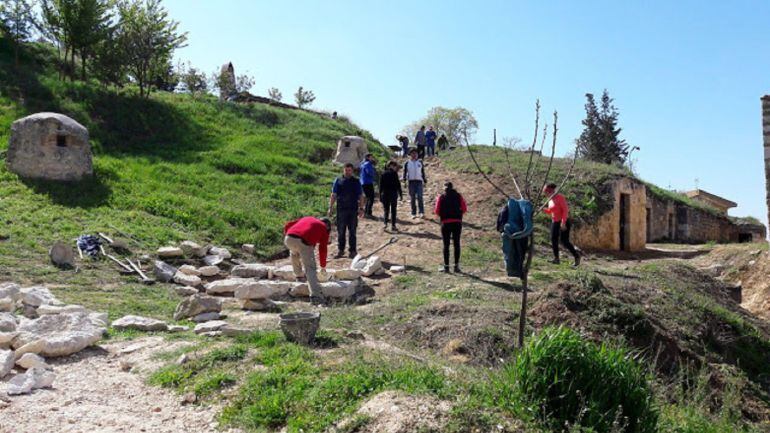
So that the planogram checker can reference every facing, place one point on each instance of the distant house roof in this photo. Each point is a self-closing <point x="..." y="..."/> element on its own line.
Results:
<point x="715" y="199"/>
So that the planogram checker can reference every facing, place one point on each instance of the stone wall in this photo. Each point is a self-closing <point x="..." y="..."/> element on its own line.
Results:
<point x="766" y="140"/>
<point x="661" y="219"/>
<point x="604" y="234"/>
<point x="698" y="226"/>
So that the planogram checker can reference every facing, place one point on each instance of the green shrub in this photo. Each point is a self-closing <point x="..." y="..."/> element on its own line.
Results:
<point x="561" y="379"/>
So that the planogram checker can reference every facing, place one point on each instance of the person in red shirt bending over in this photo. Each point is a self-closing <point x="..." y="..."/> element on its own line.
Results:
<point x="450" y="207"/>
<point x="560" y="225"/>
<point x="301" y="237"/>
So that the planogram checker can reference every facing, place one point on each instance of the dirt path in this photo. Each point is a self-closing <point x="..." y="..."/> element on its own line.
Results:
<point x="91" y="393"/>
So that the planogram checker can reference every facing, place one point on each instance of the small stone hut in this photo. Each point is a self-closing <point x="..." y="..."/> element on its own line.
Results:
<point x="226" y="81"/>
<point x="49" y="146"/>
<point x="350" y="149"/>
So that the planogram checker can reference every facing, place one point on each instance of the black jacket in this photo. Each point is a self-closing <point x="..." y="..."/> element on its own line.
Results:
<point x="390" y="186"/>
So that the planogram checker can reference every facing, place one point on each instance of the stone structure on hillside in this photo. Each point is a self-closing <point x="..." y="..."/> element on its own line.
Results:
<point x="639" y="216"/>
<point x="226" y="81"/>
<point x="713" y="200"/>
<point x="766" y="140"/>
<point x="49" y="146"/>
<point x="350" y="149"/>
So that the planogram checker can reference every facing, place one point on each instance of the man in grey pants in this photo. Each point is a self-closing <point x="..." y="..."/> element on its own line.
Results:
<point x="301" y="237"/>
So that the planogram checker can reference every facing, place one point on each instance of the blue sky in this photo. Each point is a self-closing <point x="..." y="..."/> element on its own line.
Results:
<point x="686" y="76"/>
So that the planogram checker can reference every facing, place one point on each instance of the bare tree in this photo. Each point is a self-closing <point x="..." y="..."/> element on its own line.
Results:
<point x="274" y="94"/>
<point x="525" y="192"/>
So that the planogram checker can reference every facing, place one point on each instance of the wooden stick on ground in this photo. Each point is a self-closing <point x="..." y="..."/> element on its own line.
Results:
<point x="145" y="280"/>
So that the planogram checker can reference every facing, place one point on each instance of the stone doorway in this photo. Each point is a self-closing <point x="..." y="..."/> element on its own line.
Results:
<point x="625" y="221"/>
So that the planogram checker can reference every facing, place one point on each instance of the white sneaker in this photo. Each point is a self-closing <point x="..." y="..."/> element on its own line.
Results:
<point x="421" y="216"/>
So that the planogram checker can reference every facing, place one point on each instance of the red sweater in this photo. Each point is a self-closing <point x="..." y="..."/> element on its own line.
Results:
<point x="437" y="210"/>
<point x="312" y="231"/>
<point x="558" y="209"/>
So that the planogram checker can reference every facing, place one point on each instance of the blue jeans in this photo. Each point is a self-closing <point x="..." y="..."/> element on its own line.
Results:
<point x="415" y="192"/>
<point x="347" y="221"/>
<point x="431" y="149"/>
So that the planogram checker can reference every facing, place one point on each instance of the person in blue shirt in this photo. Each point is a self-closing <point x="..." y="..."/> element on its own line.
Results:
<point x="348" y="195"/>
<point x="419" y="141"/>
<point x="430" y="141"/>
<point x="368" y="175"/>
<point x="404" y="140"/>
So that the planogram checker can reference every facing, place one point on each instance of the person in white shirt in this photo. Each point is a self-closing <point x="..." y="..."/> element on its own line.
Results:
<point x="414" y="175"/>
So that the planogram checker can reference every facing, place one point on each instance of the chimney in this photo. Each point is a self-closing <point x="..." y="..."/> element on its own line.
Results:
<point x="766" y="140"/>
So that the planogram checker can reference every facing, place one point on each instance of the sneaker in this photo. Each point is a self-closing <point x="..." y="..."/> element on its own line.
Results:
<point x="577" y="261"/>
<point x="317" y="300"/>
<point x="414" y="216"/>
<point x="353" y="254"/>
<point x="339" y="255"/>
<point x="421" y="216"/>
<point x="457" y="269"/>
<point x="394" y="228"/>
<point x="385" y="228"/>
<point x="446" y="269"/>
<point x="554" y="262"/>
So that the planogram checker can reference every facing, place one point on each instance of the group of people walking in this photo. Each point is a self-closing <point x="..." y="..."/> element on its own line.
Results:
<point x="425" y="142"/>
<point x="353" y="198"/>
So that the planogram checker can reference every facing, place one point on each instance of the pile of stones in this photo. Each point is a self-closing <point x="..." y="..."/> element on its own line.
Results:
<point x="45" y="328"/>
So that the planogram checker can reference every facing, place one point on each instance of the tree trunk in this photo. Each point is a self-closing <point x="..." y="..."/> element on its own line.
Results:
<point x="523" y="311"/>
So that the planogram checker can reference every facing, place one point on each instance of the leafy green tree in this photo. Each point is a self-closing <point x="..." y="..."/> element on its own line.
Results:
<point x="600" y="140"/>
<point x="192" y="80"/>
<point x="274" y="94"/>
<point x="16" y="22"/>
<point x="303" y="97"/>
<point x="108" y="64"/>
<point x="455" y="123"/>
<point x="148" y="40"/>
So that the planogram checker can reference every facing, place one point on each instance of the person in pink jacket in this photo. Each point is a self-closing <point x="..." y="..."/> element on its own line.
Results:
<point x="560" y="223"/>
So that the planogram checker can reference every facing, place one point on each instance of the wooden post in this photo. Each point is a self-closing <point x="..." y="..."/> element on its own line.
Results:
<point x="494" y="137"/>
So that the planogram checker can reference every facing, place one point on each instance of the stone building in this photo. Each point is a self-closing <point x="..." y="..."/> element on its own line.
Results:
<point x="712" y="200"/>
<point x="49" y="146"/>
<point x="350" y="149"/>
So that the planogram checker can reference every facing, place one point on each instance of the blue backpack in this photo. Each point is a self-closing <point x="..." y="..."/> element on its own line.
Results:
<point x="517" y="227"/>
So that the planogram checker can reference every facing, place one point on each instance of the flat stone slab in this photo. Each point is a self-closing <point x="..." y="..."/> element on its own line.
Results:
<point x="251" y="270"/>
<point x="212" y="326"/>
<point x="226" y="286"/>
<point x="263" y="289"/>
<point x="140" y="323"/>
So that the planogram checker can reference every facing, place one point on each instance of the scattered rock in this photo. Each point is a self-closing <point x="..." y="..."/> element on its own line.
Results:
<point x="263" y="289"/>
<point x="99" y="319"/>
<point x="208" y="271"/>
<point x="125" y="365"/>
<point x="163" y="271"/>
<point x="178" y="328"/>
<point x="340" y="289"/>
<point x="197" y="304"/>
<point x="7" y="304"/>
<point x="206" y="317"/>
<point x="225" y="286"/>
<point x="248" y="248"/>
<point x="212" y="260"/>
<point x="183" y="359"/>
<point x="61" y="334"/>
<point x="37" y="296"/>
<point x="8" y="322"/>
<point x="234" y="331"/>
<point x="57" y="309"/>
<point x="140" y="323"/>
<point x="6" y="338"/>
<point x="189" y="270"/>
<point x="7" y="359"/>
<point x="251" y="270"/>
<point x="31" y="360"/>
<point x="10" y="290"/>
<point x="265" y="305"/>
<point x="372" y="266"/>
<point x="285" y="273"/>
<point x="347" y="274"/>
<point x="29" y="311"/>
<point x="300" y="290"/>
<point x="221" y="252"/>
<point x="62" y="255"/>
<point x="33" y="378"/>
<point x="212" y="326"/>
<point x="192" y="249"/>
<point x="170" y="252"/>
<point x="186" y="291"/>
<point x="187" y="280"/>
<point x="397" y="269"/>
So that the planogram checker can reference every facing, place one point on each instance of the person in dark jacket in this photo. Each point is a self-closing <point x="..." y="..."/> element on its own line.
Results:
<point x="430" y="141"/>
<point x="419" y="141"/>
<point x="390" y="192"/>
<point x="442" y="142"/>
<point x="450" y="207"/>
<point x="368" y="175"/>
<point x="349" y="197"/>
<point x="404" y="140"/>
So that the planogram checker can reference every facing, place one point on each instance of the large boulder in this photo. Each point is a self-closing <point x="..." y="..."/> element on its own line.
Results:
<point x="49" y="146"/>
<point x="163" y="271"/>
<point x="372" y="266"/>
<point x="59" y="334"/>
<point x="264" y="289"/>
<point x="225" y="286"/>
<point x="197" y="304"/>
<point x="139" y="323"/>
<point x="251" y="270"/>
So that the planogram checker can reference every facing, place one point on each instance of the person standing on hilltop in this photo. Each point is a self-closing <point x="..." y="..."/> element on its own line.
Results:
<point x="560" y="223"/>
<point x="450" y="207"/>
<point x="419" y="141"/>
<point x="300" y="237"/>
<point x="414" y="175"/>
<point x="368" y="174"/>
<point x="348" y="195"/>
<point x="390" y="193"/>
<point x="430" y="141"/>
<point x="442" y="143"/>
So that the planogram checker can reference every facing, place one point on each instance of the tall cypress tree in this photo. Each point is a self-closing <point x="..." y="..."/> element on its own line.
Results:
<point x="600" y="140"/>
